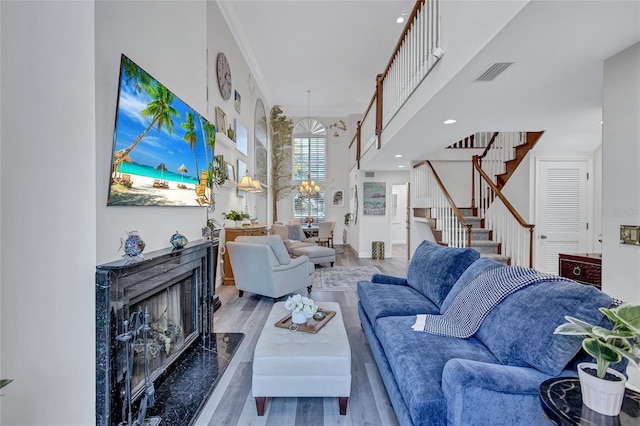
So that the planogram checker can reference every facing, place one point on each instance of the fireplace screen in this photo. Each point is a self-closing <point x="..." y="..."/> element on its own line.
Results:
<point x="171" y="327"/>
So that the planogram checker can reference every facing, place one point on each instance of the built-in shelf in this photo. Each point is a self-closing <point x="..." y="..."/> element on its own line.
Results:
<point x="221" y="137"/>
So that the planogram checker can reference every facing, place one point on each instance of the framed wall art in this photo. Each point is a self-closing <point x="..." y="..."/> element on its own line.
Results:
<point x="241" y="170"/>
<point x="241" y="138"/>
<point x="374" y="199"/>
<point x="231" y="171"/>
<point x="221" y="121"/>
<point x="237" y="101"/>
<point x="337" y="198"/>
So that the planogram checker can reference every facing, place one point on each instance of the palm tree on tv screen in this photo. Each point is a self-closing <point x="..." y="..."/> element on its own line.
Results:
<point x="209" y="136"/>
<point x="160" y="108"/>
<point x="191" y="137"/>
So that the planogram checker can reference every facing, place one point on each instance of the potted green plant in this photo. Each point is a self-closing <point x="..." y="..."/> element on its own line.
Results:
<point x="603" y="387"/>
<point x="347" y="222"/>
<point x="236" y="216"/>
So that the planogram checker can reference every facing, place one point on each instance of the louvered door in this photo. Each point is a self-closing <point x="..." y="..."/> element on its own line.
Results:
<point x="562" y="211"/>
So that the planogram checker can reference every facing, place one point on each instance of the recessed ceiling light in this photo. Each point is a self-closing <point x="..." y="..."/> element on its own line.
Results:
<point x="449" y="121"/>
<point x="400" y="166"/>
<point x="601" y="121"/>
<point x="398" y="155"/>
<point x="403" y="16"/>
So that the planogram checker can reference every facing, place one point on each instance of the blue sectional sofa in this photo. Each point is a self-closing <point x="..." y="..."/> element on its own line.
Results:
<point x="490" y="378"/>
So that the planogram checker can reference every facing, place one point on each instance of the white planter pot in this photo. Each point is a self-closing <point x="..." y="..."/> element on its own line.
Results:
<point x="600" y="395"/>
<point x="298" y="318"/>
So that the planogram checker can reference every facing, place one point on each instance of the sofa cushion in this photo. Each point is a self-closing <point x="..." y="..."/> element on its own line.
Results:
<point x="381" y="300"/>
<point x="434" y="269"/>
<point x="481" y="265"/>
<point x="274" y="241"/>
<point x="417" y="361"/>
<point x="519" y="331"/>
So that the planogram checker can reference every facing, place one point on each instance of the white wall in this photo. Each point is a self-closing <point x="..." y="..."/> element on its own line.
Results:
<point x="620" y="173"/>
<point x="377" y="228"/>
<point x="148" y="34"/>
<point x="172" y="43"/>
<point x="48" y="212"/>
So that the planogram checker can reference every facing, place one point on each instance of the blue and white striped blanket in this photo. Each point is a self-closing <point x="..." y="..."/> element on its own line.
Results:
<point x="472" y="305"/>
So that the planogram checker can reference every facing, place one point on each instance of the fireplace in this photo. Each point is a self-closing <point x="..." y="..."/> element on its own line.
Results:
<point x="154" y="327"/>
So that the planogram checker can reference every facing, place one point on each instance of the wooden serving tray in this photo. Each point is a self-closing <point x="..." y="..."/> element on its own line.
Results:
<point x="312" y="326"/>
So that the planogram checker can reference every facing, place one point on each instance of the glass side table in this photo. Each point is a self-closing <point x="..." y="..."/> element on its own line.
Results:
<point x="562" y="402"/>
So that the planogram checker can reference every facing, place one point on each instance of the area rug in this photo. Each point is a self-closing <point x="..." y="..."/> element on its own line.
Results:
<point x="342" y="278"/>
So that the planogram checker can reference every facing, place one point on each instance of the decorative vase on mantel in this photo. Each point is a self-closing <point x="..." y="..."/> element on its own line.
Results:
<point x="602" y="395"/>
<point x="298" y="318"/>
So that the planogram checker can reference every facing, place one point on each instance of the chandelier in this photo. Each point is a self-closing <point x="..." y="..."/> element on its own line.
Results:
<point x="309" y="188"/>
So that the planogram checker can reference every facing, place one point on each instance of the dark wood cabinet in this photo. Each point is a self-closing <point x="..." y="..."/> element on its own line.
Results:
<point x="230" y="234"/>
<point x="585" y="268"/>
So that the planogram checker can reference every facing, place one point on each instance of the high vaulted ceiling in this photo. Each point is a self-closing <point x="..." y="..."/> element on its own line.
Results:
<point x="335" y="49"/>
<point x="332" y="48"/>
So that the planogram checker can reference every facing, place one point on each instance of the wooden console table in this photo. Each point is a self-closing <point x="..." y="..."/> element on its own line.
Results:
<point x="585" y="268"/>
<point x="230" y="234"/>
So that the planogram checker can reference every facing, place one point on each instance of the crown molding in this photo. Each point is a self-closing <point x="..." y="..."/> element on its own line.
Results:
<point x="231" y="18"/>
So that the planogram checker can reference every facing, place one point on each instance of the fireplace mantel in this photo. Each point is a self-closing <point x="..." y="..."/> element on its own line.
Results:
<point x="124" y="284"/>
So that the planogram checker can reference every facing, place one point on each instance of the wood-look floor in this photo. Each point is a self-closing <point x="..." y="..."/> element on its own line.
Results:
<point x="232" y="403"/>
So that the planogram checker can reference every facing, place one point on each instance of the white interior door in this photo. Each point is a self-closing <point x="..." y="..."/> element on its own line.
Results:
<point x="562" y="211"/>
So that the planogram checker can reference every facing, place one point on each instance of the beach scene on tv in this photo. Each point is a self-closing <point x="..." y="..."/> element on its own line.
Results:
<point x="163" y="149"/>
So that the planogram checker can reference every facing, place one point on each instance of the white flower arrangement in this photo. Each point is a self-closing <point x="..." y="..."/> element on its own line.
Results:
<point x="301" y="304"/>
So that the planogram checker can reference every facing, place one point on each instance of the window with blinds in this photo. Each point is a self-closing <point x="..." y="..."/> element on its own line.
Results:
<point x="309" y="161"/>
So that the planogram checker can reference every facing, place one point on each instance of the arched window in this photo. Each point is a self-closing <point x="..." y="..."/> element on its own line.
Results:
<point x="309" y="162"/>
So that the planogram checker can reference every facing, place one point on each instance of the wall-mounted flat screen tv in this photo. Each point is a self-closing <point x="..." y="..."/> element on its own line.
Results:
<point x="161" y="146"/>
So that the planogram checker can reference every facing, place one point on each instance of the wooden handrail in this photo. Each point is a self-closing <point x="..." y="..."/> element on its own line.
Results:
<point x="489" y="145"/>
<point x="377" y="94"/>
<point x="451" y="203"/>
<point x="495" y="189"/>
<point x="410" y="21"/>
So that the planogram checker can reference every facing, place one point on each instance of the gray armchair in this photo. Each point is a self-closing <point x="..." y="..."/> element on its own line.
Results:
<point x="262" y="265"/>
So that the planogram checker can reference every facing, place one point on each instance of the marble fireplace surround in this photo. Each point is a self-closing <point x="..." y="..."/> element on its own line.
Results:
<point x="189" y="375"/>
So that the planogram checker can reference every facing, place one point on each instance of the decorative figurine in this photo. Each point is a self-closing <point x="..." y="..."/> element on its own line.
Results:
<point x="133" y="245"/>
<point x="178" y="241"/>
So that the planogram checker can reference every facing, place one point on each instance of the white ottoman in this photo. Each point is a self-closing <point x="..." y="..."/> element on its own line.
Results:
<point x="316" y="254"/>
<point x="299" y="364"/>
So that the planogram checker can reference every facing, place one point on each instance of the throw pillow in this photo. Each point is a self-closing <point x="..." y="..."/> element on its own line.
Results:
<point x="434" y="269"/>
<point x="295" y="232"/>
<point x="481" y="265"/>
<point x="519" y="331"/>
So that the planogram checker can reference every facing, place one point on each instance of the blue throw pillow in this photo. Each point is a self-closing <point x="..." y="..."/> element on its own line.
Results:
<point x="295" y="232"/>
<point x="519" y="331"/>
<point x="434" y="269"/>
<point x="481" y="265"/>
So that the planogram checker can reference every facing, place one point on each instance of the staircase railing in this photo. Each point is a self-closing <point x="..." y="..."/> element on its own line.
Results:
<point x="416" y="53"/>
<point x="499" y="150"/>
<point x="509" y="228"/>
<point x="430" y="192"/>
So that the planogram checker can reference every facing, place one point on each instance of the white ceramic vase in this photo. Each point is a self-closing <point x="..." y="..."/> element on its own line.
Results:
<point x="600" y="395"/>
<point x="298" y="318"/>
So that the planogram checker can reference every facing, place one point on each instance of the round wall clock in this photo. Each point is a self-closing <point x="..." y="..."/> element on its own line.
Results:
<point x="224" y="76"/>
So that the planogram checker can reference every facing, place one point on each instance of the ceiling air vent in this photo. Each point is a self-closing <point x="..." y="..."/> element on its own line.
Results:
<point x="369" y="174"/>
<point x="494" y="71"/>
